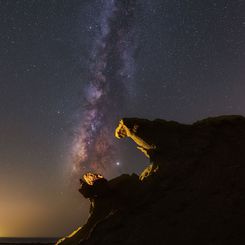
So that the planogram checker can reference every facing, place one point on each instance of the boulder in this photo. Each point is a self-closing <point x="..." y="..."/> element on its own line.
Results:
<point x="193" y="191"/>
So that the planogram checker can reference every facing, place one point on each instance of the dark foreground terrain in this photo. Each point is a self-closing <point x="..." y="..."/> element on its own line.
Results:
<point x="29" y="241"/>
<point x="193" y="191"/>
<point x="24" y="243"/>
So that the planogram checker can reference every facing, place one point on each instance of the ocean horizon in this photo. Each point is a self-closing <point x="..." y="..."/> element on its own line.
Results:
<point x="28" y="240"/>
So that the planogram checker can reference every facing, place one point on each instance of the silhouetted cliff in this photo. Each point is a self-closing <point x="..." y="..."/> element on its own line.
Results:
<point x="193" y="191"/>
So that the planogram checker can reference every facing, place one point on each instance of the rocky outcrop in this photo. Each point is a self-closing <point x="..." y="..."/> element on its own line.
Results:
<point x="193" y="191"/>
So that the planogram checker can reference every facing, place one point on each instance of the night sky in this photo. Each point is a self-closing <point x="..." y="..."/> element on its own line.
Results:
<point x="70" y="69"/>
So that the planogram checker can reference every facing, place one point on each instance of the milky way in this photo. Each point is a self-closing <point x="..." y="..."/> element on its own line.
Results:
<point x="111" y="72"/>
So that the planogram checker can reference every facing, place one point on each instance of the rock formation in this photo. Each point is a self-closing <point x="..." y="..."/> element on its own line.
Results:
<point x="193" y="191"/>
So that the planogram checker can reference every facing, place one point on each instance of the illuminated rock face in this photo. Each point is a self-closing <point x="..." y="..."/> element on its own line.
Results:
<point x="193" y="192"/>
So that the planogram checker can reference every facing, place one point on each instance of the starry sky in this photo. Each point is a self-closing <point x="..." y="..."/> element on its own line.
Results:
<point x="70" y="69"/>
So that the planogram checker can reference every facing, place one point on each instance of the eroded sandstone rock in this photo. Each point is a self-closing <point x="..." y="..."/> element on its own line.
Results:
<point x="193" y="191"/>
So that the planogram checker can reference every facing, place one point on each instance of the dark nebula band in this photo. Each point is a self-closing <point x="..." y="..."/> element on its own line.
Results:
<point x="111" y="72"/>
